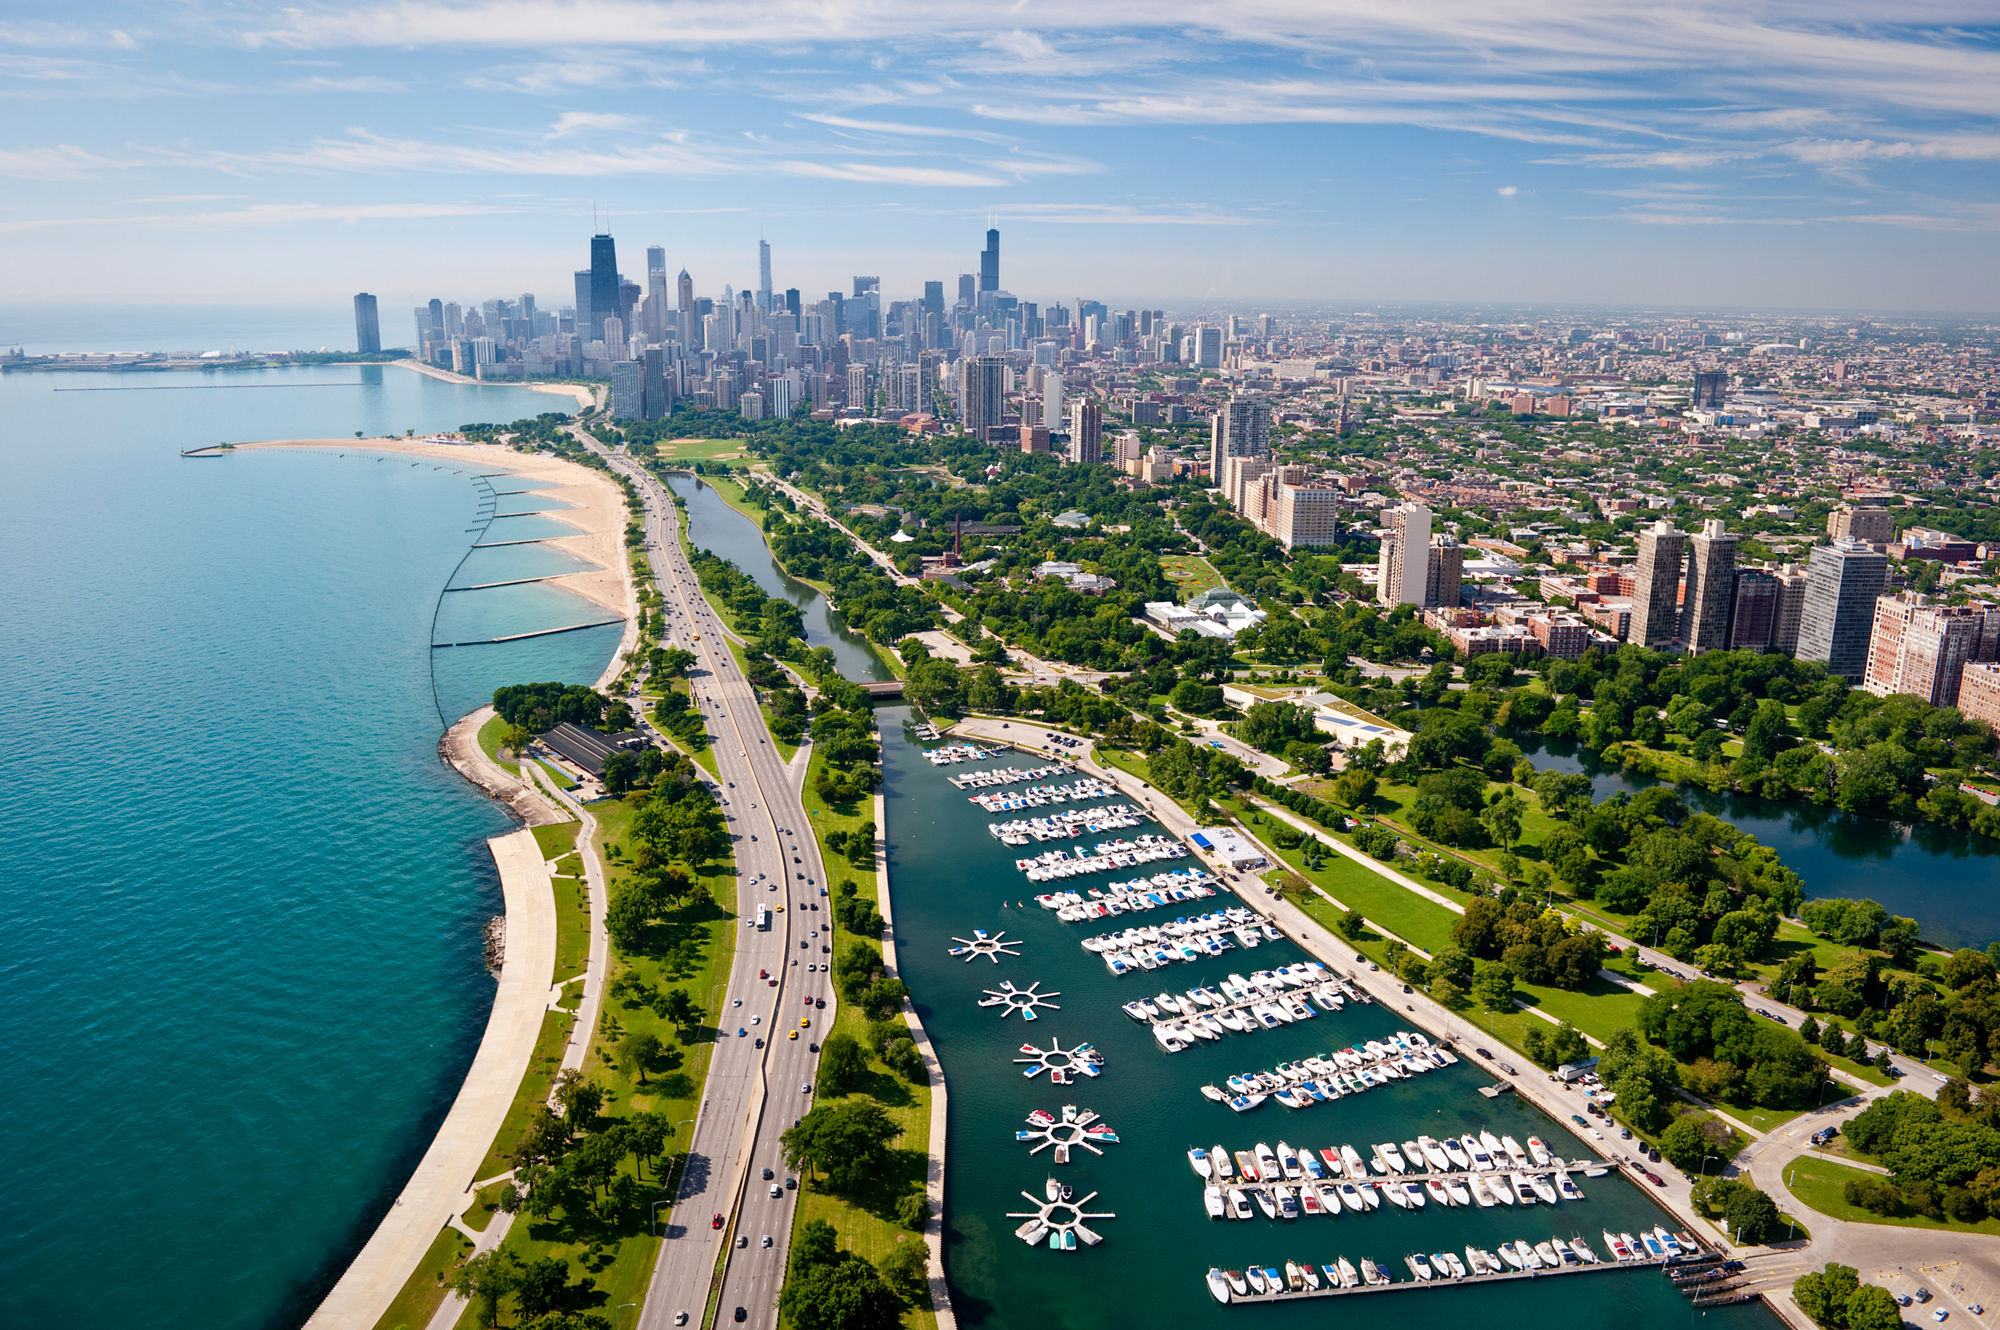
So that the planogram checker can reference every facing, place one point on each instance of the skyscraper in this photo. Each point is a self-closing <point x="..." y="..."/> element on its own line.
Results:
<point x="1753" y="623"/>
<point x="1208" y="347"/>
<point x="588" y="329"/>
<point x="684" y="302"/>
<point x="1711" y="588"/>
<point x="656" y="293"/>
<point x="1919" y="648"/>
<point x="1444" y="570"/>
<point x="605" y="297"/>
<point x="658" y="401"/>
<point x="1240" y="429"/>
<point x="628" y="390"/>
<point x="367" y="325"/>
<point x="1086" y="427"/>
<point x="1791" y="608"/>
<point x="934" y="298"/>
<point x="1052" y="408"/>
<point x="967" y="289"/>
<point x="1656" y="613"/>
<point x="1403" y="567"/>
<point x="1711" y="389"/>
<point x="764" y="275"/>
<point x="985" y="394"/>
<point x="989" y="262"/>
<point x="1842" y="582"/>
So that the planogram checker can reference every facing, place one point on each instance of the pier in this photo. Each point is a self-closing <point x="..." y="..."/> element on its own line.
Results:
<point x="1404" y="1286"/>
<point x="522" y="637"/>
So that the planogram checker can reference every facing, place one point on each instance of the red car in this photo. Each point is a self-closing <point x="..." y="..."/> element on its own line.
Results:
<point x="715" y="1222"/>
<point x="1656" y="1179"/>
<point x="809" y="1002"/>
<point x="763" y="974"/>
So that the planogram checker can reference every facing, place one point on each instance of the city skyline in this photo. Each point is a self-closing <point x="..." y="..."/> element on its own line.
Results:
<point x="1357" y="152"/>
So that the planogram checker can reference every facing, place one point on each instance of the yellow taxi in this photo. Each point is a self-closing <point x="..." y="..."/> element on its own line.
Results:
<point x="792" y="1035"/>
<point x="805" y="1022"/>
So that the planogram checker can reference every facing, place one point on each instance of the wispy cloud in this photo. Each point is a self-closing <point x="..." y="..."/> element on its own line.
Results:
<point x="269" y="214"/>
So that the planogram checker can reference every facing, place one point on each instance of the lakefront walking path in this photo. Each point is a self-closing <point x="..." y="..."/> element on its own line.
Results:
<point x="436" y="1191"/>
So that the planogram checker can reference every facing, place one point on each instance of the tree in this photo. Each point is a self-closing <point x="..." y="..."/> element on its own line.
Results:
<point x="1824" y="1294"/>
<point x="679" y="1009"/>
<point x="842" y="1063"/>
<point x="1503" y="816"/>
<point x="1873" y="1308"/>
<point x="907" y="1270"/>
<point x="848" y="1141"/>
<point x="903" y="1058"/>
<point x="642" y="1051"/>
<point x="580" y="1099"/>
<point x="542" y="1286"/>
<point x="483" y="1281"/>
<point x="1684" y="1142"/>
<point x="1493" y="986"/>
<point x="1751" y="1215"/>
<point x="849" y="1295"/>
<point x="913" y="1211"/>
<point x="648" y="1136"/>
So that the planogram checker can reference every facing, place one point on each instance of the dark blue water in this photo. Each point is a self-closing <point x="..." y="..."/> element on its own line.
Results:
<point x="243" y="898"/>
<point x="1945" y="880"/>
<point x="948" y="876"/>
<point x="713" y="525"/>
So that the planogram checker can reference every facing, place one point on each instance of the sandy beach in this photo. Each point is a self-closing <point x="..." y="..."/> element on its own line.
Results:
<point x="597" y="511"/>
<point x="584" y="396"/>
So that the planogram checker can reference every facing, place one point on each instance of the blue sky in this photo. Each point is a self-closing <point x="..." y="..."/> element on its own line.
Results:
<point x="1796" y="155"/>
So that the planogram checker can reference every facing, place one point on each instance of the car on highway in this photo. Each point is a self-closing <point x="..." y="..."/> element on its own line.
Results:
<point x="806" y="1089"/>
<point x="776" y="1191"/>
<point x="1656" y="1179"/>
<point x="793" y="1035"/>
<point x="768" y="1175"/>
<point x="805" y="1022"/>
<point x="716" y="1222"/>
<point x="680" y="1318"/>
<point x="1578" y="1119"/>
<point x="742" y="1314"/>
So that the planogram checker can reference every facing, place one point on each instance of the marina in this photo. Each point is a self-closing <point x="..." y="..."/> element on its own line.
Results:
<point x="1104" y="857"/>
<point x="948" y="875"/>
<point x="992" y="947"/>
<point x="1075" y="1127"/>
<point x="1134" y="897"/>
<point x="1041" y="796"/>
<point x="997" y="776"/>
<point x="1024" y="1000"/>
<point x="1332" y="1281"/>
<point x="1089" y="821"/>
<point x="1057" y="1220"/>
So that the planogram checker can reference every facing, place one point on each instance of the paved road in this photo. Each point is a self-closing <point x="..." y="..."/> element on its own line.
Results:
<point x="752" y="1093"/>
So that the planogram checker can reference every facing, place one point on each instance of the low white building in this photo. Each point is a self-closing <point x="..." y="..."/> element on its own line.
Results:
<point x="1226" y="845"/>
<point x="1217" y="613"/>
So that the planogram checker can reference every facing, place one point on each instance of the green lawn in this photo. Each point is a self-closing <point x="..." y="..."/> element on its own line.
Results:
<point x="424" y="1292"/>
<point x="572" y="925"/>
<point x="1598" y="1010"/>
<point x="557" y="839"/>
<point x="866" y="1222"/>
<point x="1190" y="573"/>
<point x="691" y="950"/>
<point x="489" y="743"/>
<point x="1819" y="1183"/>
<point x="533" y="1090"/>
<point x="1420" y="922"/>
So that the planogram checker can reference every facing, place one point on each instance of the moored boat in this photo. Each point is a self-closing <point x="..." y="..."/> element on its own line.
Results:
<point x="1218" y="1285"/>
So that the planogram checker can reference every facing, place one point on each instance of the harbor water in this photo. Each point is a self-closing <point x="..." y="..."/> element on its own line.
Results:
<point x="245" y="900"/>
<point x="950" y="876"/>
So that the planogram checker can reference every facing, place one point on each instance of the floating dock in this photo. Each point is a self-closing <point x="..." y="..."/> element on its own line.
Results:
<point x="1405" y="1285"/>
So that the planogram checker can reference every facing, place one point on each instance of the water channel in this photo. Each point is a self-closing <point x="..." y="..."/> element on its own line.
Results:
<point x="714" y="526"/>
<point x="1943" y="879"/>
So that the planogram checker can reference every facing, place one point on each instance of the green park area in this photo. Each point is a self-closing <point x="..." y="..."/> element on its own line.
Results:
<point x="1190" y="573"/>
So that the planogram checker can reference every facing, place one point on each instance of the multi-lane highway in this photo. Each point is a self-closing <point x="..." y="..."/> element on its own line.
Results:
<point x="761" y="1077"/>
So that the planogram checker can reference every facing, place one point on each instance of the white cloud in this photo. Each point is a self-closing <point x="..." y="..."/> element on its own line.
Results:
<point x="877" y="174"/>
<point x="575" y="122"/>
<point x="1509" y="191"/>
<point x="270" y="214"/>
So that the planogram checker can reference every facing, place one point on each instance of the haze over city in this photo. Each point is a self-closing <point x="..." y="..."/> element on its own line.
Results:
<point x="1803" y="156"/>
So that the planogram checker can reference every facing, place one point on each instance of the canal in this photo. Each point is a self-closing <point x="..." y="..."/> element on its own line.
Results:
<point x="714" y="526"/>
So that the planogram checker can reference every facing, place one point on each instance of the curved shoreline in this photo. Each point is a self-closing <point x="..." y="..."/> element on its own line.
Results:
<point x="431" y="1200"/>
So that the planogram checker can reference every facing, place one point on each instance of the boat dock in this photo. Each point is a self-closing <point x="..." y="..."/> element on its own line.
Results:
<point x="1405" y="1285"/>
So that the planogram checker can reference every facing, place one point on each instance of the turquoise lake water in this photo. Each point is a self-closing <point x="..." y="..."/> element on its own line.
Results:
<point x="949" y="876"/>
<point x="245" y="899"/>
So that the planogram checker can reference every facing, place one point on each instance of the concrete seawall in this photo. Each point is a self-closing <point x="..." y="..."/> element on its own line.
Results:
<point x="437" y="1190"/>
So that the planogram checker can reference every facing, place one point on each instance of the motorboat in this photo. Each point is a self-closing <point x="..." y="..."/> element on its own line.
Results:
<point x="1238" y="1284"/>
<point x="1309" y="1200"/>
<point x="1350" y="1196"/>
<point x="1389" y="1155"/>
<point x="1294" y="1278"/>
<point x="1567" y="1186"/>
<point x="1482" y="1195"/>
<point x="1415" y="1194"/>
<point x="1456" y="1189"/>
<point x="1198" y="1161"/>
<point x="1538" y="1152"/>
<point x="1654" y="1247"/>
<point x="1288" y="1204"/>
<point x="1511" y="1257"/>
<point x="1396" y="1195"/>
<point x="1632" y="1246"/>
<point x="1414" y="1152"/>
<point x="1243" y="1103"/>
<point x="1247" y="1163"/>
<point x="1311" y="1274"/>
<point x="1238" y="1204"/>
<point x="1667" y="1240"/>
<point x="1418" y="1266"/>
<point x="1350" y="1159"/>
<point x="1543" y="1187"/>
<point x="1255" y="1277"/>
<point x="1211" y="1196"/>
<point x="1331" y="1158"/>
<point x="1514" y="1151"/>
<point x="1434" y="1155"/>
<point x="1315" y="1170"/>
<point x="1491" y="1144"/>
<point x="1267" y="1162"/>
<point x="1374" y="1274"/>
<point x="1330" y="1200"/>
<point x="1218" y="1285"/>
<point x="1619" y="1251"/>
<point x="1524" y="1191"/>
<point x="1288" y="1161"/>
<point x="1548" y="1254"/>
<point x="1501" y="1187"/>
<point x="1451" y="1259"/>
<point x="1370" y="1195"/>
<point x="1215" y="1094"/>
<point x="1265" y="1201"/>
<point x="1348" y="1276"/>
<point x="1435" y="1190"/>
<point x="1530" y="1258"/>
<point x="1218" y="1159"/>
<point x="1454" y="1150"/>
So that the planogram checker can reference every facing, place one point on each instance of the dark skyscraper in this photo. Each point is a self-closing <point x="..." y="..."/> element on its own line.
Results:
<point x="934" y="298"/>
<point x="604" y="293"/>
<point x="966" y="289"/>
<point x="437" y="318"/>
<point x="1711" y="390"/>
<point x="989" y="262"/>
<point x="367" y="327"/>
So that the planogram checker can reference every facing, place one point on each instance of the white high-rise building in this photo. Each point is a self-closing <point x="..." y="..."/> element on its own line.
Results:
<point x="1052" y="399"/>
<point x="1402" y="570"/>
